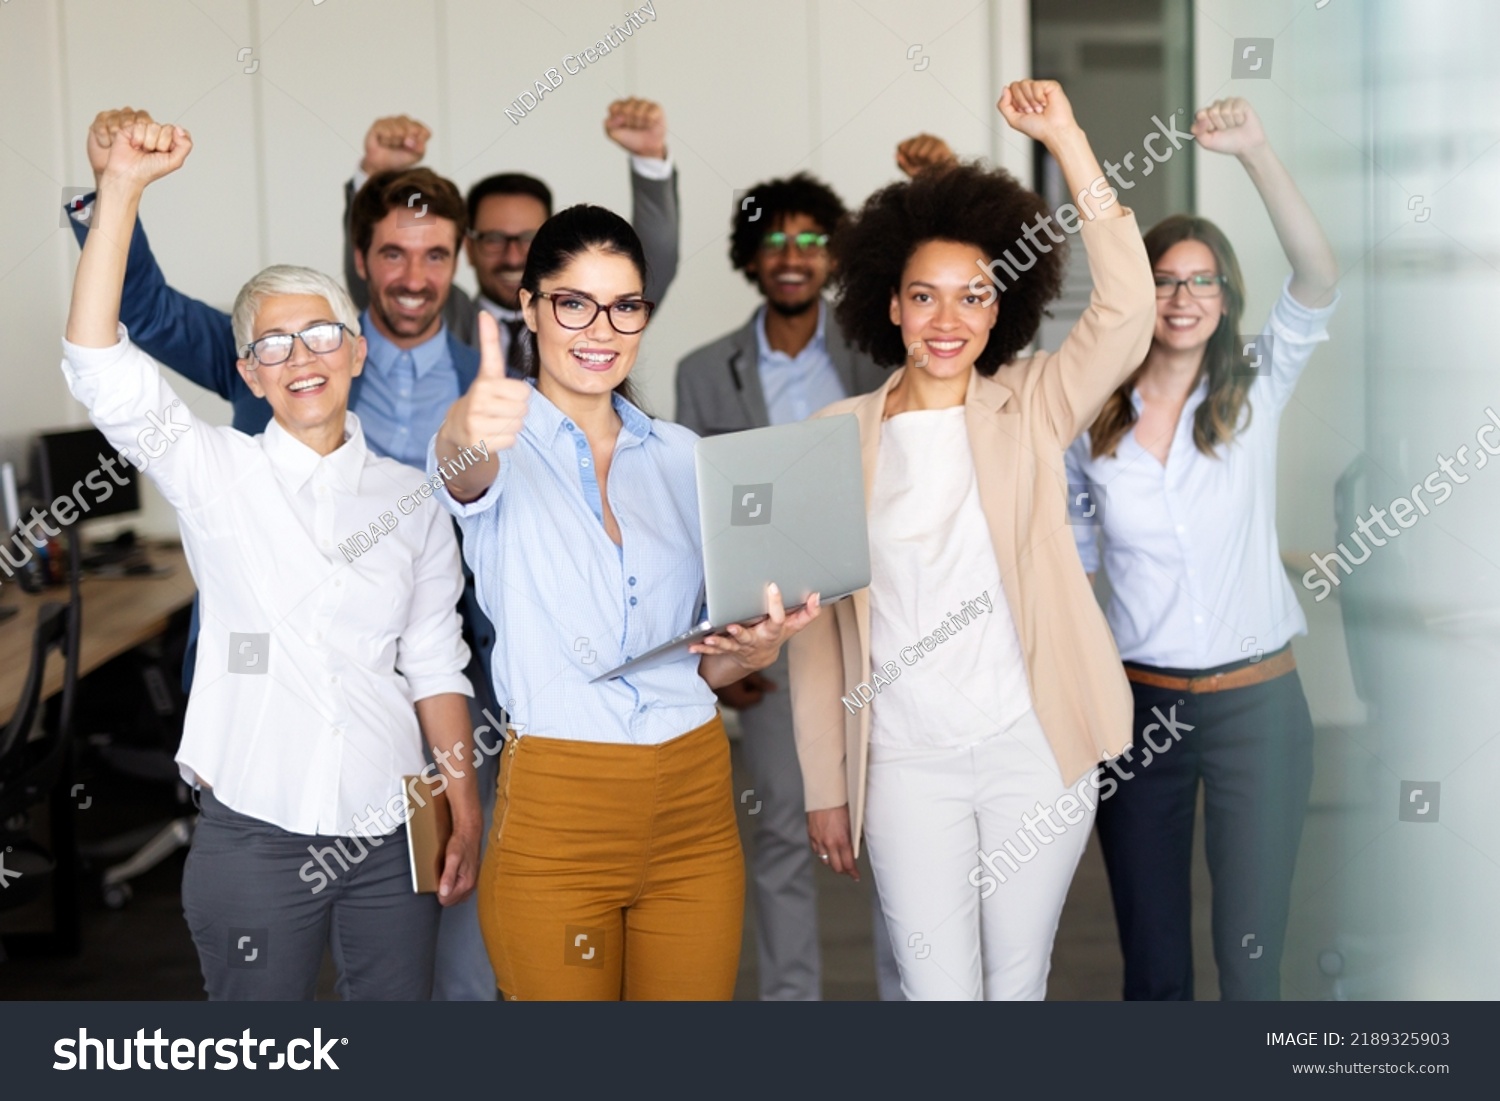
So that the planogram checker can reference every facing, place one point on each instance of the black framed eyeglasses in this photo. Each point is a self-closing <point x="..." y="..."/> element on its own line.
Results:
<point x="1201" y="285"/>
<point x="319" y="339"/>
<point x="492" y="240"/>
<point x="805" y="242"/>
<point x="572" y="310"/>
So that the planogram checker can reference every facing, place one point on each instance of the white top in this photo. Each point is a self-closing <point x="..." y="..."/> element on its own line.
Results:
<point x="310" y="657"/>
<point x="938" y="613"/>
<point x="1190" y="547"/>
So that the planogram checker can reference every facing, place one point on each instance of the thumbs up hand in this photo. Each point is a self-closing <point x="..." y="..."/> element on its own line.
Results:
<point x="492" y="413"/>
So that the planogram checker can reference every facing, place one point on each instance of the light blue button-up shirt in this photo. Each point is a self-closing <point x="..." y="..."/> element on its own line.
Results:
<point x="797" y="386"/>
<point x="405" y="394"/>
<point x="1190" y="546"/>
<point x="566" y="602"/>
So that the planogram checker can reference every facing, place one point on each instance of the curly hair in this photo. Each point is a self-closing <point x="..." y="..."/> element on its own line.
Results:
<point x="1226" y="411"/>
<point x="983" y="207"/>
<point x="768" y="204"/>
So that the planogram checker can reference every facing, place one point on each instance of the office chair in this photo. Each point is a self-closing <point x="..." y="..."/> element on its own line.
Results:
<point x="143" y="720"/>
<point x="32" y="769"/>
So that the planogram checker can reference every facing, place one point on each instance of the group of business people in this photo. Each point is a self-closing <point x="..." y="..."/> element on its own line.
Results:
<point x="611" y="865"/>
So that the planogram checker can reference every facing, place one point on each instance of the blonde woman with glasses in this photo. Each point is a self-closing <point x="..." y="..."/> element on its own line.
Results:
<point x="316" y="678"/>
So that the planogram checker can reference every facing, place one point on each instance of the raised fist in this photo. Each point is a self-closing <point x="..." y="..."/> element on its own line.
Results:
<point x="638" y="126"/>
<point x="1228" y="126"/>
<point x="494" y="408"/>
<point x="102" y="133"/>
<point x="396" y="142"/>
<point x="1038" y="109"/>
<point x="921" y="152"/>
<point x="144" y="152"/>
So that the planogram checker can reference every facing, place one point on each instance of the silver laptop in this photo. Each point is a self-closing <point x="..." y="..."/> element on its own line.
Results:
<point x="783" y="504"/>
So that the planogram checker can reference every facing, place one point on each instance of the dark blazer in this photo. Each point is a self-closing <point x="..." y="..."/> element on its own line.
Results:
<point x="718" y="385"/>
<point x="654" y="214"/>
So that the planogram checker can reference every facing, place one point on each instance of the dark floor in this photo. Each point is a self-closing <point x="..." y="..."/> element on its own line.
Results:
<point x="143" y="951"/>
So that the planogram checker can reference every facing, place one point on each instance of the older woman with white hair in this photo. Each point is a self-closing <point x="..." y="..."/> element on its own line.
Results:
<point x="317" y="674"/>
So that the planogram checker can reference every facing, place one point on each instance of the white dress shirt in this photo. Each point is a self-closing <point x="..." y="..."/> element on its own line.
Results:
<point x="1190" y="546"/>
<point x="937" y="607"/>
<point x="311" y="657"/>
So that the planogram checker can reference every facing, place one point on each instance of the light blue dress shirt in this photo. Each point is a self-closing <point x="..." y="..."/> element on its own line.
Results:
<point x="405" y="394"/>
<point x="797" y="386"/>
<point x="1190" y="546"/>
<point x="566" y="602"/>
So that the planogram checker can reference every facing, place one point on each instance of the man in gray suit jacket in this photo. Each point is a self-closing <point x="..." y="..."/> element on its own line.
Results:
<point x="785" y="363"/>
<point x="506" y="210"/>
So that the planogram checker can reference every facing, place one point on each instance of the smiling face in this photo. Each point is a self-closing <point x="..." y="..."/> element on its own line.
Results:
<point x="309" y="392"/>
<point x="944" y="325"/>
<point x="595" y="359"/>
<point x="499" y="269"/>
<point x="409" y="267"/>
<point x="792" y="279"/>
<point x="1185" y="323"/>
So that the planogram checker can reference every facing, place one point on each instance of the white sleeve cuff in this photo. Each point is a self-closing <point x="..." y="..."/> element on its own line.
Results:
<point x="1291" y="320"/>
<point x="91" y="361"/>
<point x="424" y="687"/>
<point x="652" y="168"/>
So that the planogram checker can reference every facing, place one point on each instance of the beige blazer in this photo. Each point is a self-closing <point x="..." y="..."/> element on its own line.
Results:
<point x="1020" y="423"/>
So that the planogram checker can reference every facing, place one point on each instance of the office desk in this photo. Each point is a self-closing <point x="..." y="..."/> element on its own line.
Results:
<point x="118" y="615"/>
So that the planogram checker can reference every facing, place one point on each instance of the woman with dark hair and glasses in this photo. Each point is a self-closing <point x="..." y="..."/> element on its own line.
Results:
<point x="997" y="688"/>
<point x="1178" y="478"/>
<point x="613" y="869"/>
<point x="318" y="673"/>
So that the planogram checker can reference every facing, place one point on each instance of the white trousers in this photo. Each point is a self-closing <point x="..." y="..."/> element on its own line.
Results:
<point x="966" y="928"/>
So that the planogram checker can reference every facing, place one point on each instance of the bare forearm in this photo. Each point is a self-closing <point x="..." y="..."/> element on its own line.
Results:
<point x="719" y="670"/>
<point x="445" y="724"/>
<point x="94" y="314"/>
<point x="1081" y="170"/>
<point x="1315" y="269"/>
<point x="454" y="453"/>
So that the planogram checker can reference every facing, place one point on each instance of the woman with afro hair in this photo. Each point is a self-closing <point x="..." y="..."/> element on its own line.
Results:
<point x="955" y="712"/>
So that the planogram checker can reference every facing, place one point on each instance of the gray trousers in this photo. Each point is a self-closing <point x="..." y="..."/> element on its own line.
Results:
<point x="263" y="903"/>
<point x="463" y="972"/>
<point x="781" y="863"/>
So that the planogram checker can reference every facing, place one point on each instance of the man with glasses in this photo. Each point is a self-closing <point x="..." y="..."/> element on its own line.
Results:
<point x="506" y="210"/>
<point x="785" y="363"/>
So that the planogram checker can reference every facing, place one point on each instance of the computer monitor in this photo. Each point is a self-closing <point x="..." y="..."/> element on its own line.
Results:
<point x="72" y="464"/>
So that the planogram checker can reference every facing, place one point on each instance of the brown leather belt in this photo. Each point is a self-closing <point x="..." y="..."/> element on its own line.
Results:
<point x="1277" y="665"/>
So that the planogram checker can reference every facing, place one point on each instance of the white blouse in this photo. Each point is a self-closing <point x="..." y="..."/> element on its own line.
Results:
<point x="938" y="614"/>
<point x="1190" y="546"/>
<point x="310" y="658"/>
